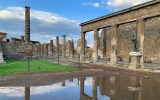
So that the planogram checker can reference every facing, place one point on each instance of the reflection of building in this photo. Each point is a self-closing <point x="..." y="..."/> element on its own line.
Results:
<point x="84" y="96"/>
<point x="113" y="87"/>
<point x="136" y="88"/>
<point x="27" y="93"/>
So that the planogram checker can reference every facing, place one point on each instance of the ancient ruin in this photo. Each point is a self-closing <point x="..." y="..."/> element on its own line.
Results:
<point x="118" y="28"/>
<point x="113" y="44"/>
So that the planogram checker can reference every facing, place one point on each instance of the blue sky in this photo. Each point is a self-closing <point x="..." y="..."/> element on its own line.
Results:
<point x="50" y="18"/>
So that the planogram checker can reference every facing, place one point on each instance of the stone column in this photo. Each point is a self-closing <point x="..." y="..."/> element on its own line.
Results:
<point x="39" y="48"/>
<point x="95" y="47"/>
<point x="12" y="40"/>
<point x="113" y="58"/>
<point x="82" y="53"/>
<point x="27" y="24"/>
<point x="27" y="93"/>
<point x="22" y="39"/>
<point x="1" y="52"/>
<point x="63" y="83"/>
<point x="46" y="49"/>
<point x="94" y="89"/>
<point x="104" y="43"/>
<point x="71" y="50"/>
<point x="57" y="46"/>
<point x="64" y="46"/>
<point x="140" y="37"/>
<point x="42" y="49"/>
<point x="51" y="47"/>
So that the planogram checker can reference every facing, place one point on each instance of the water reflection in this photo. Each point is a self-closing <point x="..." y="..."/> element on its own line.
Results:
<point x="96" y="88"/>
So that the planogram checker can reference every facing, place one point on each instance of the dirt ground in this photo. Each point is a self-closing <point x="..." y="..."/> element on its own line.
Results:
<point x="86" y="70"/>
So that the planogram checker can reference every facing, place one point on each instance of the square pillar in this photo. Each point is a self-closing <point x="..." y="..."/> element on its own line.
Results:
<point x="82" y="53"/>
<point x="113" y="57"/>
<point x="104" y="43"/>
<point x="1" y="52"/>
<point x="95" y="47"/>
<point x="140" y="37"/>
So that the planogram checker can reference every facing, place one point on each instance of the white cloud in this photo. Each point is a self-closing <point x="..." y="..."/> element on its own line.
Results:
<point x="95" y="4"/>
<point x="122" y="4"/>
<point x="114" y="5"/>
<point x="42" y="24"/>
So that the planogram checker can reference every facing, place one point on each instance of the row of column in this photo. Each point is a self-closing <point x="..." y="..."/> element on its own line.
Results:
<point x="50" y="49"/>
<point x="113" y="56"/>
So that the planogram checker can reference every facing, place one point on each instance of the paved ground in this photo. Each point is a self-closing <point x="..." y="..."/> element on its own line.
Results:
<point x="86" y="70"/>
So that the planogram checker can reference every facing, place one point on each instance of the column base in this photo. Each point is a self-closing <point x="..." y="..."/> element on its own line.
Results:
<point x="1" y="58"/>
<point x="135" y="60"/>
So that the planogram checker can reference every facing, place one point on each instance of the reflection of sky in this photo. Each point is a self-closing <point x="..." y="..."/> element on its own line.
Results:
<point x="52" y="92"/>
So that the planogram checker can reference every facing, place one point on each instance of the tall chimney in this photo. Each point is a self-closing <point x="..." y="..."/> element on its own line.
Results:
<point x="27" y="24"/>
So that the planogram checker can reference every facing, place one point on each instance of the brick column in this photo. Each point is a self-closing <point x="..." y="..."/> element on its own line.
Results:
<point x="95" y="47"/>
<point x="27" y="24"/>
<point x="42" y="49"/>
<point x="57" y="46"/>
<point x="64" y="46"/>
<point x="51" y="47"/>
<point x="82" y="53"/>
<point x="104" y="43"/>
<point x="1" y="52"/>
<point x="140" y="37"/>
<point x="113" y="58"/>
<point x="45" y="49"/>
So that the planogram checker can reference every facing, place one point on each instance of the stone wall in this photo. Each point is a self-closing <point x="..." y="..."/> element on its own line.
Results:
<point x="17" y="50"/>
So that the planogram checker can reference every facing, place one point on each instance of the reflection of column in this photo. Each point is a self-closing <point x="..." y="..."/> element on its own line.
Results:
<point x="135" y="87"/>
<point x="82" y="53"/>
<point x="64" y="46"/>
<point x="140" y="37"/>
<point x="63" y="83"/>
<point x="27" y="93"/>
<point x="27" y="24"/>
<point x="95" y="47"/>
<point x="113" y="87"/>
<point x="94" y="89"/>
<point x="103" y="85"/>
<point x="113" y="58"/>
<point x="57" y="46"/>
<point x="82" y="85"/>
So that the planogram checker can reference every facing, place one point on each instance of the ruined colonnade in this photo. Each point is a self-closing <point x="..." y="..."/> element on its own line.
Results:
<point x="130" y="15"/>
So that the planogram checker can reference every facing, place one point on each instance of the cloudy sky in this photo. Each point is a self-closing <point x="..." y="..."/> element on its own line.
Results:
<point x="50" y="18"/>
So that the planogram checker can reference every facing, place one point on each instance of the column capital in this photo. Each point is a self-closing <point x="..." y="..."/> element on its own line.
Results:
<point x="114" y="25"/>
<point x="63" y="35"/>
<point x="141" y="19"/>
<point x="27" y="7"/>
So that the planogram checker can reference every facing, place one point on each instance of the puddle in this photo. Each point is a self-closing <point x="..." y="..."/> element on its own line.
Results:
<point x="90" y="88"/>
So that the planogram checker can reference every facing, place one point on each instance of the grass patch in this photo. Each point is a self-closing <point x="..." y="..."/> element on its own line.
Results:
<point x="14" y="66"/>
